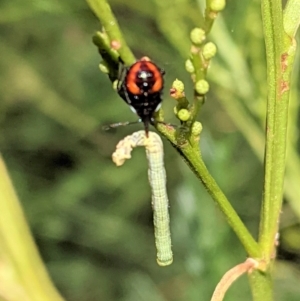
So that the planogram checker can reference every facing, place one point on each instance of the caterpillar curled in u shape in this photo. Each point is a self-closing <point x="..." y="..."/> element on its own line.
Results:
<point x="157" y="178"/>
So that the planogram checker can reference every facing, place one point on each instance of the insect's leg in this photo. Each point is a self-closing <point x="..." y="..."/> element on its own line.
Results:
<point x="121" y="74"/>
<point x="117" y="124"/>
<point x="154" y="122"/>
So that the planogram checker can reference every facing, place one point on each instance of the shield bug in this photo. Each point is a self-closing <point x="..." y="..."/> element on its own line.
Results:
<point x="141" y="87"/>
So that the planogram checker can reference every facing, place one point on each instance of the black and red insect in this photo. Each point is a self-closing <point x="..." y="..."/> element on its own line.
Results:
<point x="141" y="87"/>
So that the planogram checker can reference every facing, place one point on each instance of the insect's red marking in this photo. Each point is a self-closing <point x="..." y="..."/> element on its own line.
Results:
<point x="131" y="83"/>
<point x="141" y="88"/>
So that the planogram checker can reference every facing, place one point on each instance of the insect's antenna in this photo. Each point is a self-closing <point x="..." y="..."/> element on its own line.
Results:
<point x="115" y="125"/>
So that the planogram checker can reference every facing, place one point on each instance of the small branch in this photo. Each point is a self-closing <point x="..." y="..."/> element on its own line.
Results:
<point x="109" y="55"/>
<point x="232" y="275"/>
<point x="23" y="275"/>
<point x="102" y="10"/>
<point x="213" y="7"/>
<point x="192" y="157"/>
<point x="219" y="197"/>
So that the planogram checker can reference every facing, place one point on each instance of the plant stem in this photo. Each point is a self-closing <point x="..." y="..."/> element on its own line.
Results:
<point x="280" y="50"/>
<point x="276" y="127"/>
<point x="193" y="158"/>
<point x="102" y="10"/>
<point x="261" y="286"/>
<point x="209" y="17"/>
<point x="23" y="275"/>
<point x="200" y="73"/>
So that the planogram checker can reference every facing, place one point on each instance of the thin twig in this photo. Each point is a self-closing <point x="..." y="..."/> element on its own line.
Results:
<point x="232" y="275"/>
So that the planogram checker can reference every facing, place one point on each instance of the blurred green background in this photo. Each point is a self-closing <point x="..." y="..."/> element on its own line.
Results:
<point x="91" y="220"/>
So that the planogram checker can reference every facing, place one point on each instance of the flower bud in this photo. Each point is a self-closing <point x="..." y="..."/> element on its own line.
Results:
<point x="115" y="84"/>
<point x="178" y="85"/>
<point x="217" y="5"/>
<point x="202" y="86"/>
<point x="209" y="50"/>
<point x="103" y="67"/>
<point x="175" y="110"/>
<point x="197" y="36"/>
<point x="196" y="128"/>
<point x="177" y="90"/>
<point x="184" y="115"/>
<point x="189" y="67"/>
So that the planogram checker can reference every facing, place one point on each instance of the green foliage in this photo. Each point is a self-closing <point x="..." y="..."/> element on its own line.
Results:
<point x="93" y="221"/>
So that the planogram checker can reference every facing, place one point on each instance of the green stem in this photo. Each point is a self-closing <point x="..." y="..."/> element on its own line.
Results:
<point x="276" y="127"/>
<point x="102" y="10"/>
<point x="109" y="55"/>
<point x="23" y="275"/>
<point x="209" y="17"/>
<point x="194" y="160"/>
<point x="200" y="73"/>
<point x="261" y="286"/>
<point x="291" y="17"/>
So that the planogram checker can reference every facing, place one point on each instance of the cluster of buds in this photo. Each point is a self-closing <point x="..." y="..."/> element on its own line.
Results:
<point x="182" y="110"/>
<point x="202" y="51"/>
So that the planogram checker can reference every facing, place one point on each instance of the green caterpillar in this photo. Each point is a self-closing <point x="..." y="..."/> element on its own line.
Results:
<point x="157" y="179"/>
